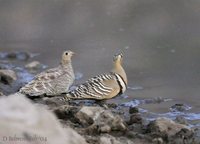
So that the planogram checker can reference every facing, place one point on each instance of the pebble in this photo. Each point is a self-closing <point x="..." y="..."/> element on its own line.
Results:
<point x="133" y="110"/>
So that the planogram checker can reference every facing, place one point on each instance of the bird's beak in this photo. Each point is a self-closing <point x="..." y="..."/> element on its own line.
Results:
<point x="73" y="53"/>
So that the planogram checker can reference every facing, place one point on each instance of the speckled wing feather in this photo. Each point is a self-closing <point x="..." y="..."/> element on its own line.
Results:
<point x="49" y="75"/>
<point x="44" y="83"/>
<point x="103" y="86"/>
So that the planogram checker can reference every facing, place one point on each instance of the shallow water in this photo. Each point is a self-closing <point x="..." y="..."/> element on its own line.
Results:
<point x="159" y="39"/>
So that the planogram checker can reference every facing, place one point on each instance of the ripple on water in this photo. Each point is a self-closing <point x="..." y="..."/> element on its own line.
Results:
<point x="136" y="102"/>
<point x="135" y="88"/>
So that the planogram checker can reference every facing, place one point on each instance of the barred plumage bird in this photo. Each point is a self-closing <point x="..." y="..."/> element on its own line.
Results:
<point x="52" y="81"/>
<point x="104" y="86"/>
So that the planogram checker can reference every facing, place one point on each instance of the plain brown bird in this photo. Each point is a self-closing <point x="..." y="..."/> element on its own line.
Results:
<point x="104" y="86"/>
<point x="52" y="81"/>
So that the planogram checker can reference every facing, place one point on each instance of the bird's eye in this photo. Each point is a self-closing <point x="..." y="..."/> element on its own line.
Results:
<point x="66" y="53"/>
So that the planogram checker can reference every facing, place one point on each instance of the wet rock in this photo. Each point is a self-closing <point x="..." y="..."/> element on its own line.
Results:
<point x="181" y="120"/>
<point x="7" y="76"/>
<point x="18" y="55"/>
<point x="112" y="105"/>
<point x="22" y="122"/>
<point x="165" y="128"/>
<point x="135" y="118"/>
<point x="133" y="110"/>
<point x="180" y="107"/>
<point x="34" y="66"/>
<point x="100" y="120"/>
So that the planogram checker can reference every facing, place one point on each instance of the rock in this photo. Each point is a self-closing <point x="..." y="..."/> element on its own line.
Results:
<point x="18" y="55"/>
<point x="66" y="112"/>
<point x="181" y="120"/>
<point x="135" y="118"/>
<point x="165" y="128"/>
<point x="180" y="107"/>
<point x="124" y="140"/>
<point x="183" y="136"/>
<point x="96" y="119"/>
<point x="158" y="141"/>
<point x="88" y="115"/>
<point x="112" y="105"/>
<point x="7" y="76"/>
<point x="133" y="110"/>
<point x="138" y="128"/>
<point x="108" y="139"/>
<point x="114" y="121"/>
<point x="22" y="122"/>
<point x="34" y="65"/>
<point x="105" y="129"/>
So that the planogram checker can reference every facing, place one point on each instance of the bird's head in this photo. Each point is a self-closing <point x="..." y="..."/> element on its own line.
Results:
<point x="118" y="58"/>
<point x="66" y="57"/>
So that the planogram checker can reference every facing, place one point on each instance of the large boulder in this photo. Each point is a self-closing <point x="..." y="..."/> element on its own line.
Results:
<point x="22" y="122"/>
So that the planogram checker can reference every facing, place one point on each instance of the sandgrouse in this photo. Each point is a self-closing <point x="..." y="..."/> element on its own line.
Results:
<point x="104" y="86"/>
<point x="52" y="81"/>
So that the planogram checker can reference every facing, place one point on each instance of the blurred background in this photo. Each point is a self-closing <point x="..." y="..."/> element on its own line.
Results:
<point x="159" y="39"/>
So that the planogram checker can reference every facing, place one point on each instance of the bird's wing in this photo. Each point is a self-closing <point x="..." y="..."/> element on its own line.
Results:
<point x="50" y="74"/>
<point x="103" y="86"/>
<point x="43" y="82"/>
